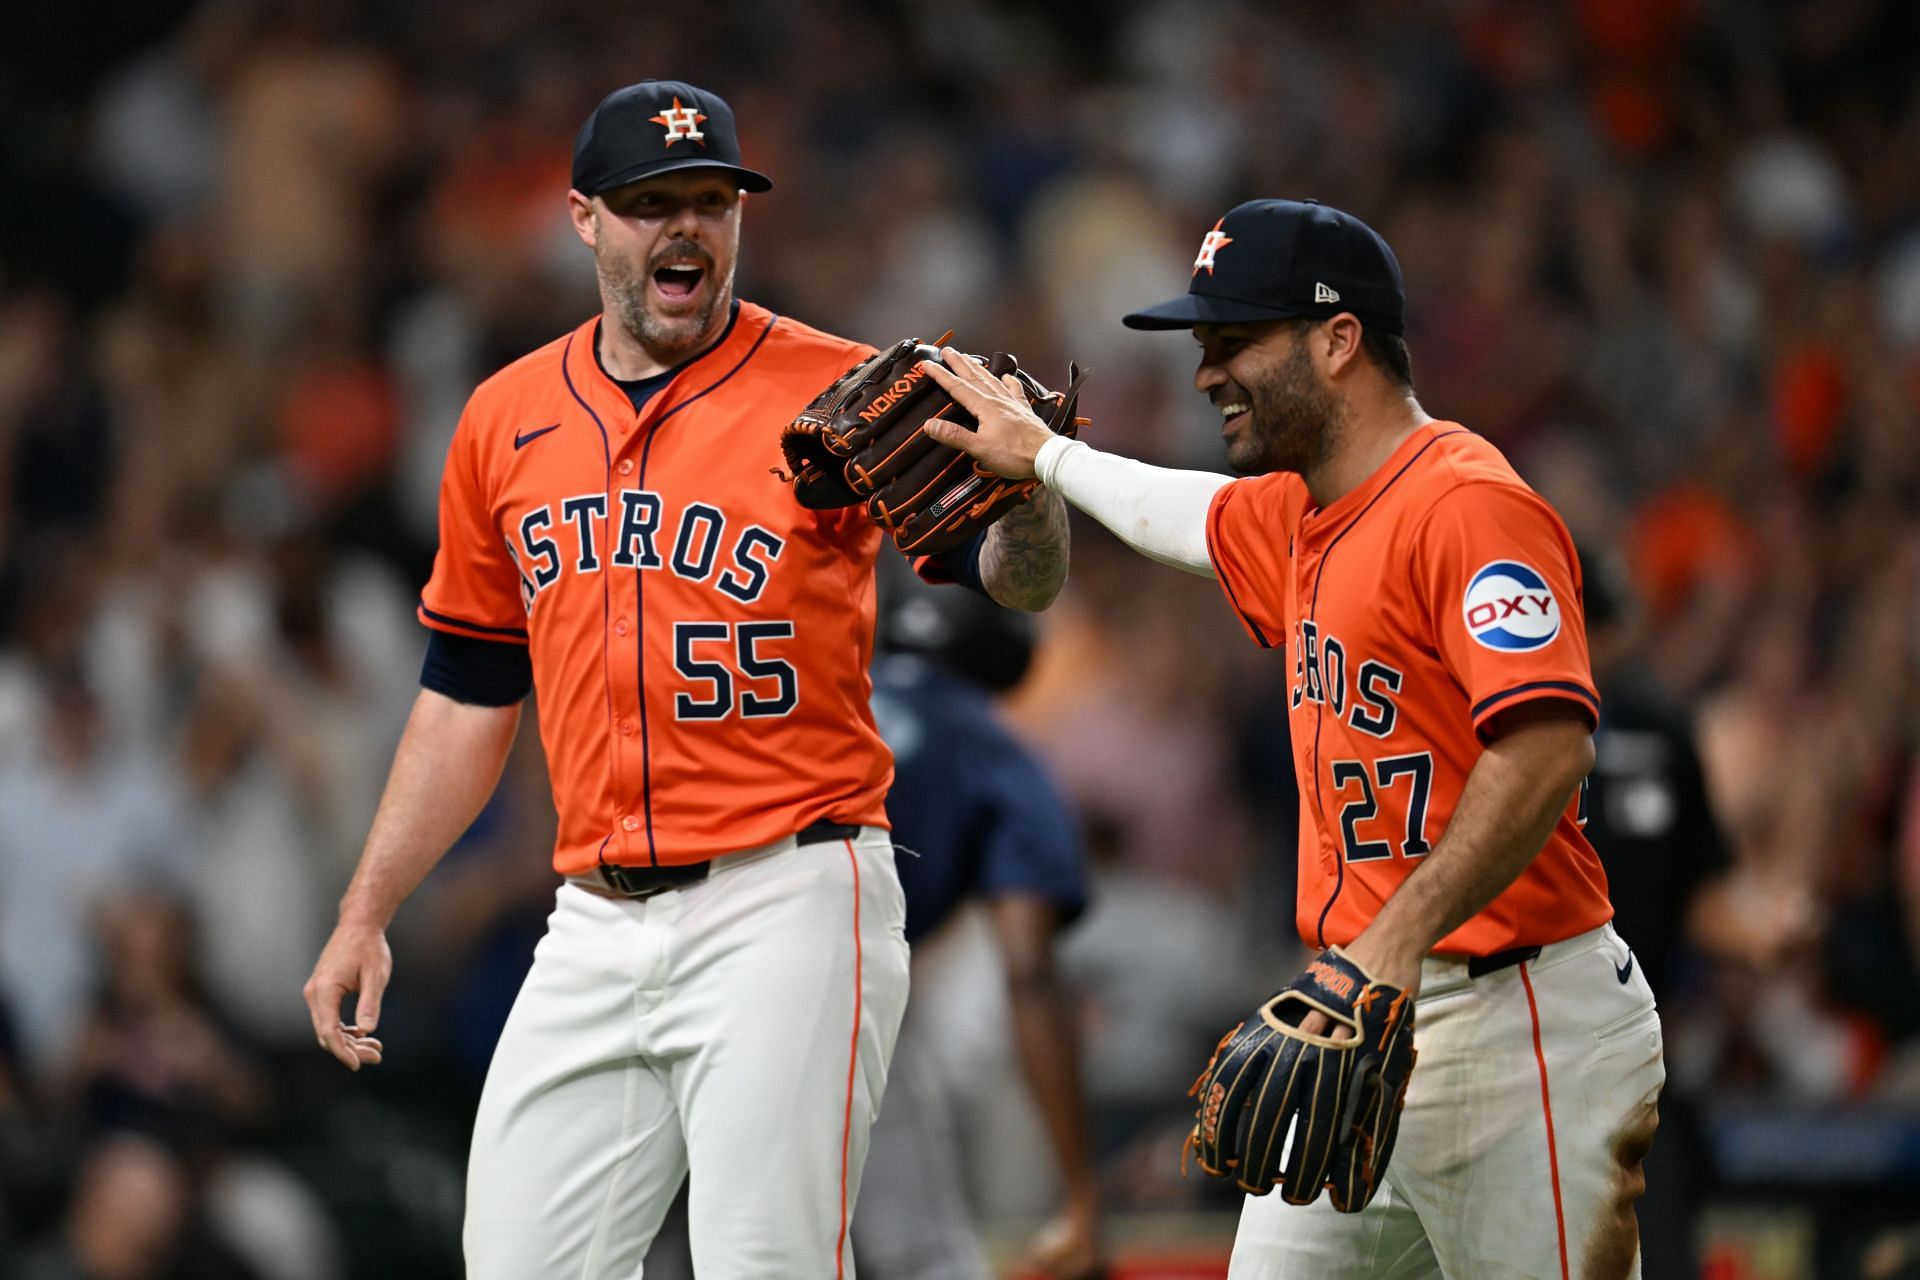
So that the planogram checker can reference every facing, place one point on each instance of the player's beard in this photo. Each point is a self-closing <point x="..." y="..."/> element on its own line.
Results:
<point x="1294" y="418"/>
<point x="668" y="339"/>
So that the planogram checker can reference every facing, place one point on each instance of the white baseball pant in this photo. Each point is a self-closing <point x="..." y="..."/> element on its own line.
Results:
<point x="1533" y="1096"/>
<point x="735" y="1032"/>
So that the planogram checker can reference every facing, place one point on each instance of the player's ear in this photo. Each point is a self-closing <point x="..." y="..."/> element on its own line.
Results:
<point x="1339" y="341"/>
<point x="580" y="209"/>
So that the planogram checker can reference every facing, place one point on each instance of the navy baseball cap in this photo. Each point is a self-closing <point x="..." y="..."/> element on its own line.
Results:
<point x="1269" y="259"/>
<point x="654" y="127"/>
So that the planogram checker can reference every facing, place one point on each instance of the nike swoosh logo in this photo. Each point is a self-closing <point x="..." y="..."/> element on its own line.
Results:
<point x="1624" y="971"/>
<point x="526" y="438"/>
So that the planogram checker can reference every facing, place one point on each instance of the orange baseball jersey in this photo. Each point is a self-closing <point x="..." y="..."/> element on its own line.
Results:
<point x="1436" y="594"/>
<point x="699" y="640"/>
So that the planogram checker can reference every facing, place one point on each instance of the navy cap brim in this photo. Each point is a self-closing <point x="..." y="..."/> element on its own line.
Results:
<point x="1190" y="309"/>
<point x="749" y="179"/>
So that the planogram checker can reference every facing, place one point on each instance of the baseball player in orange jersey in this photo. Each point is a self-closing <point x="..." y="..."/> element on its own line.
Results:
<point x="725" y="969"/>
<point x="1441" y="711"/>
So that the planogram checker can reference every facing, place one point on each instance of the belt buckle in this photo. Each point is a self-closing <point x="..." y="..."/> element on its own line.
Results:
<point x="623" y="882"/>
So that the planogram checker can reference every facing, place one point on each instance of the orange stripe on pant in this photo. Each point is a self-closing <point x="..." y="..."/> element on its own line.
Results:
<point x="853" y="1063"/>
<point x="1546" y="1106"/>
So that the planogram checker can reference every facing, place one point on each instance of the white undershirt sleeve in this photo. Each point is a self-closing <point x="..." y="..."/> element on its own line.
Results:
<point x="1159" y="512"/>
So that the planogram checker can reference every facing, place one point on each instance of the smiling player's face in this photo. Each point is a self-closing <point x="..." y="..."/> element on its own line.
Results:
<point x="665" y="248"/>
<point x="1277" y="411"/>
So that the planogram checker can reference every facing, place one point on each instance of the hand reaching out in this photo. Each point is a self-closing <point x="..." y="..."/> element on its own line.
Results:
<point x="1009" y="434"/>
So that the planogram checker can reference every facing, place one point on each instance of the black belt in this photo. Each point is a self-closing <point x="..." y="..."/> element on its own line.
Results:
<point x="1481" y="966"/>
<point x="644" y="882"/>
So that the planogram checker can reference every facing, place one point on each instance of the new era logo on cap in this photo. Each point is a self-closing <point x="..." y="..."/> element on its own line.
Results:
<point x="1289" y="258"/>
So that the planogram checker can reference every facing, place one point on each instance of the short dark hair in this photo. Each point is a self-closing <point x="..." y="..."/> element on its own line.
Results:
<point x="1389" y="351"/>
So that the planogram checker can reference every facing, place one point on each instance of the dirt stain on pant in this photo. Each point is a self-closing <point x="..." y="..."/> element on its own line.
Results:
<point x="1614" y="1246"/>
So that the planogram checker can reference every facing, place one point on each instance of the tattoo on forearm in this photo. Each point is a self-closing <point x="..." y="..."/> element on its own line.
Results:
<point x="1024" y="562"/>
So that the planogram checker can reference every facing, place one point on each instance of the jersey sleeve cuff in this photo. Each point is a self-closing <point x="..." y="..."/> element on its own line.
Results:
<point x="1565" y="690"/>
<point x="483" y="673"/>
<point x="463" y="627"/>
<point x="960" y="566"/>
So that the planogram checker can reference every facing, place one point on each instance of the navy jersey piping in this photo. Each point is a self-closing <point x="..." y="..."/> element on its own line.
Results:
<point x="772" y="320"/>
<point x="1559" y="686"/>
<point x="640" y="625"/>
<point x="1319" y="708"/>
<point x="606" y="586"/>
<point x="513" y="633"/>
<point x="665" y="378"/>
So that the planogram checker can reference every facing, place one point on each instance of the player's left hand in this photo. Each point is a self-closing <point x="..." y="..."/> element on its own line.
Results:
<point x="1068" y="1246"/>
<point x="1009" y="434"/>
<point x="356" y="959"/>
<point x="1388" y="962"/>
<point x="1305" y="1112"/>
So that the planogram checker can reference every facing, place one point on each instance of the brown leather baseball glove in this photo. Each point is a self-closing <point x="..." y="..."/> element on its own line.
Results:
<point x="860" y="442"/>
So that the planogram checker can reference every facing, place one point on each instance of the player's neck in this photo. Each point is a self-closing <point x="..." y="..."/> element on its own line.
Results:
<point x="1371" y="435"/>
<point x="627" y="358"/>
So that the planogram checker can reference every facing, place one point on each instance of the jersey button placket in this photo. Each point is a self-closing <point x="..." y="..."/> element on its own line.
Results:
<point x="1306" y="565"/>
<point x="623" y="601"/>
<point x="630" y="764"/>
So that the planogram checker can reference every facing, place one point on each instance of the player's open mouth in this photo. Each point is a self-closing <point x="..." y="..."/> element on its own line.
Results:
<point x="1231" y="413"/>
<point x="677" y="283"/>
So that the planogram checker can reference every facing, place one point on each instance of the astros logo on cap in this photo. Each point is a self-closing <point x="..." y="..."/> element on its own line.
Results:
<point x="1508" y="606"/>
<point x="1215" y="241"/>
<point x="681" y="122"/>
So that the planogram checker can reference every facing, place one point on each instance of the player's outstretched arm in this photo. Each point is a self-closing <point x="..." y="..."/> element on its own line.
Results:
<point x="447" y="764"/>
<point x="1159" y="512"/>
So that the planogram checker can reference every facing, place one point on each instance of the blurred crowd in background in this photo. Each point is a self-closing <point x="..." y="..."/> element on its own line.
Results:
<point x="253" y="257"/>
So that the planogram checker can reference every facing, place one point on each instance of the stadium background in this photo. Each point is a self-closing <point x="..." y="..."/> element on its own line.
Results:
<point x="1665" y="253"/>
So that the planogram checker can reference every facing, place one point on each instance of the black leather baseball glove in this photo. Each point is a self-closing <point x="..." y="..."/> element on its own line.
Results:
<point x="1281" y="1108"/>
<point x="860" y="442"/>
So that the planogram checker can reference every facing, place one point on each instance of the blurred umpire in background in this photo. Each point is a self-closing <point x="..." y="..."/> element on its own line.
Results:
<point x="1651" y="819"/>
<point x="974" y="818"/>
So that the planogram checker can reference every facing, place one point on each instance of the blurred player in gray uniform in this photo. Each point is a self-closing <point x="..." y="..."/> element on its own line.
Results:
<point x="975" y="818"/>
